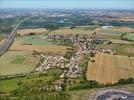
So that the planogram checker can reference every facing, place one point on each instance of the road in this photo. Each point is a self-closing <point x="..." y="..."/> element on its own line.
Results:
<point x="113" y="94"/>
<point x="9" y="40"/>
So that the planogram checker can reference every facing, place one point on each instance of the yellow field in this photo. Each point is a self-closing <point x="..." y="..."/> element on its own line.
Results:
<point x="48" y="49"/>
<point x="67" y="30"/>
<point x="116" y="30"/>
<point x="121" y="41"/>
<point x="110" y="68"/>
<point x="23" y="32"/>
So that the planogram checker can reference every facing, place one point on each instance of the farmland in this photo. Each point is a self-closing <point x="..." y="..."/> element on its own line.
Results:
<point x="66" y="54"/>
<point x="110" y="68"/>
<point x="23" y="32"/>
<point x="114" y="31"/>
<point x="109" y="33"/>
<point x="122" y="48"/>
<point x="77" y="30"/>
<point x="16" y="62"/>
<point x="32" y="40"/>
<point x="44" y="49"/>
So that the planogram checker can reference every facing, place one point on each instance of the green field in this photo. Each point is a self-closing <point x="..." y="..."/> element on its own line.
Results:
<point x="36" y="79"/>
<point x="121" y="49"/>
<point x="32" y="40"/>
<point x="8" y="85"/>
<point x="11" y="84"/>
<point x="19" y="60"/>
<point x="13" y="62"/>
<point x="129" y="37"/>
<point x="110" y="32"/>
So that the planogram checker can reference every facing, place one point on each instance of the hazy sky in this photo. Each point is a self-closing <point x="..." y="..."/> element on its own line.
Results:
<point x="68" y="4"/>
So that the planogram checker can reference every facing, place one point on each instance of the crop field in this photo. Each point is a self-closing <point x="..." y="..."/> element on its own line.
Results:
<point x="114" y="31"/>
<point x="19" y="59"/>
<point x="32" y="40"/>
<point x="49" y="49"/>
<point x="121" y="49"/>
<point x="111" y="31"/>
<point x="16" y="62"/>
<point x="23" y="32"/>
<point x="117" y="41"/>
<point x="78" y="30"/>
<point x="110" y="68"/>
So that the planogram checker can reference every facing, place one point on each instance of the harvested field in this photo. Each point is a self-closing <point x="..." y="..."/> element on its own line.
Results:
<point x="23" y="32"/>
<point x="48" y="49"/>
<point x="110" y="68"/>
<point x="115" y="31"/>
<point x="67" y="30"/>
<point x="121" y="41"/>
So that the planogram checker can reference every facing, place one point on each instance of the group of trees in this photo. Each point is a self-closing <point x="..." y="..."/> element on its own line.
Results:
<point x="44" y="96"/>
<point x="70" y="52"/>
<point x="127" y="36"/>
<point x="83" y="85"/>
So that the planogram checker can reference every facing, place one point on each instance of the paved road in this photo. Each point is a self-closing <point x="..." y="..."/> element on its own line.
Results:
<point x="114" y="94"/>
<point x="9" y="40"/>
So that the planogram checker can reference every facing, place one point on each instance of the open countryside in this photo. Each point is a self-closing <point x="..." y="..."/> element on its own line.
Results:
<point x="110" y="68"/>
<point x="22" y="62"/>
<point x="66" y="54"/>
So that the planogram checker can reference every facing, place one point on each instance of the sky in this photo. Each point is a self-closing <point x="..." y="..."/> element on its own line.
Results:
<point x="68" y="4"/>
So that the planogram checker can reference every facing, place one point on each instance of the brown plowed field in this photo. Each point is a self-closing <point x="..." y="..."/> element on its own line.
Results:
<point x="110" y="68"/>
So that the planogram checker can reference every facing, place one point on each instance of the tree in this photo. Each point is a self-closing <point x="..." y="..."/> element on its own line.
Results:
<point x="72" y="27"/>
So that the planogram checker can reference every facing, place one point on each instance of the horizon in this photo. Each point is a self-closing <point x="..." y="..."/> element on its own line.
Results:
<point x="67" y="4"/>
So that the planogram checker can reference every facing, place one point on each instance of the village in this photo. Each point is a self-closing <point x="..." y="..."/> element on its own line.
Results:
<point x="82" y="44"/>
